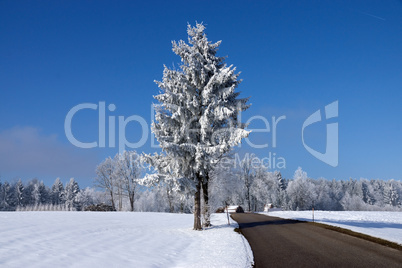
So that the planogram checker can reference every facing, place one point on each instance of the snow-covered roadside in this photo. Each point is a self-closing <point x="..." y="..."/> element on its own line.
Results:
<point x="385" y="225"/>
<point x="99" y="239"/>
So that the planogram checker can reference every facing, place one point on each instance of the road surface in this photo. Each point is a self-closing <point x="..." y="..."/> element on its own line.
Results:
<point x="279" y="242"/>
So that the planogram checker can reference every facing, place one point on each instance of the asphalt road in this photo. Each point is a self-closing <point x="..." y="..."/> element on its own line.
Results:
<point x="278" y="242"/>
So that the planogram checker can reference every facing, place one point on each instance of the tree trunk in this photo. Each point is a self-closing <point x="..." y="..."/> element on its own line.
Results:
<point x="120" y="194"/>
<point x="248" y="198"/>
<point x="131" y="201"/>
<point x="170" y="201"/>
<point x="206" y="210"/>
<point x="197" y="208"/>
<point x="255" y="203"/>
<point x="112" y="199"/>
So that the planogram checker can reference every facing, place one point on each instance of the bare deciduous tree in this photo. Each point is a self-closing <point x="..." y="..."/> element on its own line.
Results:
<point x="128" y="170"/>
<point x="106" y="178"/>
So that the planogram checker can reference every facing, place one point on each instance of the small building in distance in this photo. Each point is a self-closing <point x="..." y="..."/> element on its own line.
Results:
<point x="267" y="207"/>
<point x="270" y="207"/>
<point x="234" y="209"/>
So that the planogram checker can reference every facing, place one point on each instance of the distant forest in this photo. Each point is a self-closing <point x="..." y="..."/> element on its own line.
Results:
<point x="250" y="187"/>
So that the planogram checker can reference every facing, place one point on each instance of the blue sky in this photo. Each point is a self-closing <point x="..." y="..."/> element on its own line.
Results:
<point x="295" y="57"/>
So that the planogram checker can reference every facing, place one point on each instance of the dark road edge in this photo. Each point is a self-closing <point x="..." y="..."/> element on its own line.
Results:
<point x="376" y="240"/>
<point x="373" y="239"/>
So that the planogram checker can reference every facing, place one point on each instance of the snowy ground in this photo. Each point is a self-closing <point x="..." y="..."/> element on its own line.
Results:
<point x="107" y="239"/>
<point x="386" y="225"/>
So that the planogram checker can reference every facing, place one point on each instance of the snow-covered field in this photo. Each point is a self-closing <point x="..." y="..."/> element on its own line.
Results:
<point x="386" y="225"/>
<point x="107" y="239"/>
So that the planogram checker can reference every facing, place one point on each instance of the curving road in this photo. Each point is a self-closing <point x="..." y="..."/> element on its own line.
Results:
<point x="279" y="242"/>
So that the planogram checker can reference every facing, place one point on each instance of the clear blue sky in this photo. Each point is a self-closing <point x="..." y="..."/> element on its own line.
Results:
<point x="295" y="57"/>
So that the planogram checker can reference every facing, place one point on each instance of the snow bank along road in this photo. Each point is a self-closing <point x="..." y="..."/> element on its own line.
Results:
<point x="382" y="224"/>
<point x="118" y="239"/>
<point x="280" y="242"/>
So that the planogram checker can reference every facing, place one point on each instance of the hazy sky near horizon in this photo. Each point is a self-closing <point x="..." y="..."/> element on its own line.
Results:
<point x="295" y="57"/>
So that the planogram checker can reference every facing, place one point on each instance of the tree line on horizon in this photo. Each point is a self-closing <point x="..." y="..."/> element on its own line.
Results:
<point x="35" y="195"/>
<point x="247" y="184"/>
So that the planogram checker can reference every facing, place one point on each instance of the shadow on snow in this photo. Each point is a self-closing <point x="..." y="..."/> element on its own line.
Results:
<point x="365" y="224"/>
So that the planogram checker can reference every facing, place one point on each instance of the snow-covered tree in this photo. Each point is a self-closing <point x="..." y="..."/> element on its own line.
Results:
<point x="44" y="193"/>
<point x="281" y="193"/>
<point x="262" y="188"/>
<point x="129" y="169"/>
<point x="226" y="185"/>
<point x="19" y="193"/>
<point x="322" y="194"/>
<point x="336" y="194"/>
<point x="106" y="178"/>
<point x="118" y="182"/>
<point x="377" y="187"/>
<point x="391" y="195"/>
<point x="57" y="192"/>
<point x="301" y="192"/>
<point x="197" y="119"/>
<point x="281" y="181"/>
<point x="7" y="201"/>
<point x="36" y="193"/>
<point x="71" y="195"/>
<point x="247" y="174"/>
<point x="352" y="202"/>
<point x="86" y="197"/>
<point x="27" y="194"/>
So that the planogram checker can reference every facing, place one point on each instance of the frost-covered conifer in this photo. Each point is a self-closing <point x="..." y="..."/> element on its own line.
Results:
<point x="197" y="119"/>
<point x="391" y="196"/>
<point x="7" y="197"/>
<point x="19" y="192"/>
<point x="71" y="194"/>
<point x="281" y="181"/>
<point x="58" y="192"/>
